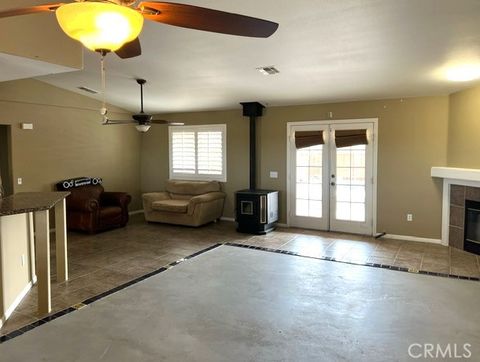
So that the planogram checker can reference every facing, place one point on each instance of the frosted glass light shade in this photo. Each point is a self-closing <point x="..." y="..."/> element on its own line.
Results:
<point x="100" y="26"/>
<point x="142" y="127"/>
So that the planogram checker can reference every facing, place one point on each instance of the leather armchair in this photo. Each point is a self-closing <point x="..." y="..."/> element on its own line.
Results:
<point x="91" y="209"/>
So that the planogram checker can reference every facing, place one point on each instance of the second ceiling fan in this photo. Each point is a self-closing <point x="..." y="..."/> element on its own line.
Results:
<point x="142" y="120"/>
<point x="114" y="25"/>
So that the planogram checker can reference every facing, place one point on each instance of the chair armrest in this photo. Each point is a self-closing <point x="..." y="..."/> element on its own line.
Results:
<point x="121" y="199"/>
<point x="199" y="199"/>
<point x="85" y="205"/>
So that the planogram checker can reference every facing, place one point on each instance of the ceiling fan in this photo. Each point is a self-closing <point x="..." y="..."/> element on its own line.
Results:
<point x="142" y="120"/>
<point x="114" y="25"/>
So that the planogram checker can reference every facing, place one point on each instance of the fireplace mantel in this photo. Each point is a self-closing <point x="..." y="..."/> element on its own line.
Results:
<point x="453" y="173"/>
<point x="453" y="176"/>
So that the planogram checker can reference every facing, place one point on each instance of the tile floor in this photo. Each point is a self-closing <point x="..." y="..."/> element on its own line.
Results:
<point x="101" y="262"/>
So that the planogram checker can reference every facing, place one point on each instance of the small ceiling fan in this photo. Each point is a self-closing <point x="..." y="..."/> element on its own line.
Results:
<point x="142" y="120"/>
<point x="114" y="25"/>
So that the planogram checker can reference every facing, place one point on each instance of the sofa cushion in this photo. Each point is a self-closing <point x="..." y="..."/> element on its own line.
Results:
<point x="179" y="206"/>
<point x="192" y="187"/>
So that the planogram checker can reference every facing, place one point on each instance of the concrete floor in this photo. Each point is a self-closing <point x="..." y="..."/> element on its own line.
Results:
<point x="236" y="304"/>
<point x="100" y="262"/>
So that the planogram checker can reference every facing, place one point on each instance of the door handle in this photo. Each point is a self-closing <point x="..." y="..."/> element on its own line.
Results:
<point x="332" y="183"/>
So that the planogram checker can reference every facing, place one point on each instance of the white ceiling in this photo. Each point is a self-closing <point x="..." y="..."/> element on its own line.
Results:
<point x="326" y="50"/>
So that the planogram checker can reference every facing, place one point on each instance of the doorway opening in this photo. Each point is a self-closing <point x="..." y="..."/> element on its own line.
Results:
<point x="6" y="178"/>
<point x="332" y="175"/>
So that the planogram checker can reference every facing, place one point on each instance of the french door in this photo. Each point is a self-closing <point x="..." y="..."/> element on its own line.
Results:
<point x="331" y="183"/>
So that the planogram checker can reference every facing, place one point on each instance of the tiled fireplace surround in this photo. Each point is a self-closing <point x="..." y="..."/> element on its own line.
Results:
<point x="459" y="184"/>
<point x="458" y="195"/>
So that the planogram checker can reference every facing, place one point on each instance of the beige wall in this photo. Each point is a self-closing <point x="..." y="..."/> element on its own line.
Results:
<point x="68" y="139"/>
<point x="464" y="129"/>
<point x="14" y="243"/>
<point x="412" y="139"/>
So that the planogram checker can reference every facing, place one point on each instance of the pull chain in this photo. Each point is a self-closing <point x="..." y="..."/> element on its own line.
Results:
<point x="103" y="110"/>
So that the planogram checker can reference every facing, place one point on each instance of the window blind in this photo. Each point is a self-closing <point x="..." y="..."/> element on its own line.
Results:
<point x="305" y="139"/>
<point x="351" y="137"/>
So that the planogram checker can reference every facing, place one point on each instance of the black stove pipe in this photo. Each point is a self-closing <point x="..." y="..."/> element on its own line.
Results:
<point x="253" y="110"/>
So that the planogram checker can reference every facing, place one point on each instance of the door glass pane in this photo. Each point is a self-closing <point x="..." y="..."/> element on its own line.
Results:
<point x="343" y="175"/>
<point x="302" y="174"/>
<point x="302" y="207"/>
<point x="309" y="178"/>
<point x="350" y="183"/>
<point x="315" y="208"/>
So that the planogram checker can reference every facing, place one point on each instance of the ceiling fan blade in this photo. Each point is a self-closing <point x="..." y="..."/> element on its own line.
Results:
<point x="29" y="10"/>
<point x="170" y="123"/>
<point x="130" y="50"/>
<point x="112" y="122"/>
<point x="194" y="17"/>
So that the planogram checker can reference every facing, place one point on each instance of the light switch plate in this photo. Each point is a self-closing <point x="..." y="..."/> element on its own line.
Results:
<point x="273" y="174"/>
<point x="19" y="181"/>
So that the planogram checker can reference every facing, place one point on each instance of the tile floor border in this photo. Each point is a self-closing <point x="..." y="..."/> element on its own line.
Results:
<point x="373" y="265"/>
<point x="91" y="300"/>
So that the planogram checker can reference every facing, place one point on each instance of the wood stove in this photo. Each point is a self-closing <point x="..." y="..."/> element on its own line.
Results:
<point x="256" y="210"/>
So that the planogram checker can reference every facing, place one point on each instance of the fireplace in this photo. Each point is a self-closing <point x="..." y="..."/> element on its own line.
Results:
<point x="256" y="211"/>
<point x="459" y="186"/>
<point x="472" y="227"/>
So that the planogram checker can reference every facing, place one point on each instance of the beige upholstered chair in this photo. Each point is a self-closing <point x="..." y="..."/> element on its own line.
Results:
<point x="191" y="203"/>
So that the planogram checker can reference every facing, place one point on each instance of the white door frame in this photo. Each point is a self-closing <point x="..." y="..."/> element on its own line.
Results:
<point x="291" y="183"/>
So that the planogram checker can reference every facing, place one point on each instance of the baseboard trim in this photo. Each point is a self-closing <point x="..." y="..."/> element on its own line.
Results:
<point x="230" y="219"/>
<point x="15" y="303"/>
<point x="136" y="212"/>
<point x="413" y="238"/>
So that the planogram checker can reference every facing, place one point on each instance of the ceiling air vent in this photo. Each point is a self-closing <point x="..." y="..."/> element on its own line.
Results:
<point x="88" y="90"/>
<point x="270" y="70"/>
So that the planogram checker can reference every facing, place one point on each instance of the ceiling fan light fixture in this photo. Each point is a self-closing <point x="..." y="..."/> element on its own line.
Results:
<point x="100" y="26"/>
<point x="142" y="127"/>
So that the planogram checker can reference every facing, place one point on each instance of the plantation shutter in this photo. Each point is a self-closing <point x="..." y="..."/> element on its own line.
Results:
<point x="183" y="153"/>
<point x="210" y="153"/>
<point x="198" y="152"/>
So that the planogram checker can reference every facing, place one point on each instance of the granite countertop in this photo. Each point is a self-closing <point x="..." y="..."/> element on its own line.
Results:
<point x="24" y="202"/>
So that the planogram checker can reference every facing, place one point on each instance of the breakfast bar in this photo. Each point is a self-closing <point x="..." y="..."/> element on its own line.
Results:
<point x="24" y="219"/>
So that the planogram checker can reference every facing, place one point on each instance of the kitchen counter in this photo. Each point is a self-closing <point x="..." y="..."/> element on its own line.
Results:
<point x="30" y="202"/>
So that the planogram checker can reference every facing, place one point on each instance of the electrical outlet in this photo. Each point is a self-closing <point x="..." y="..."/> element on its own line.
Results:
<point x="409" y="217"/>
<point x="273" y="174"/>
<point x="19" y="180"/>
